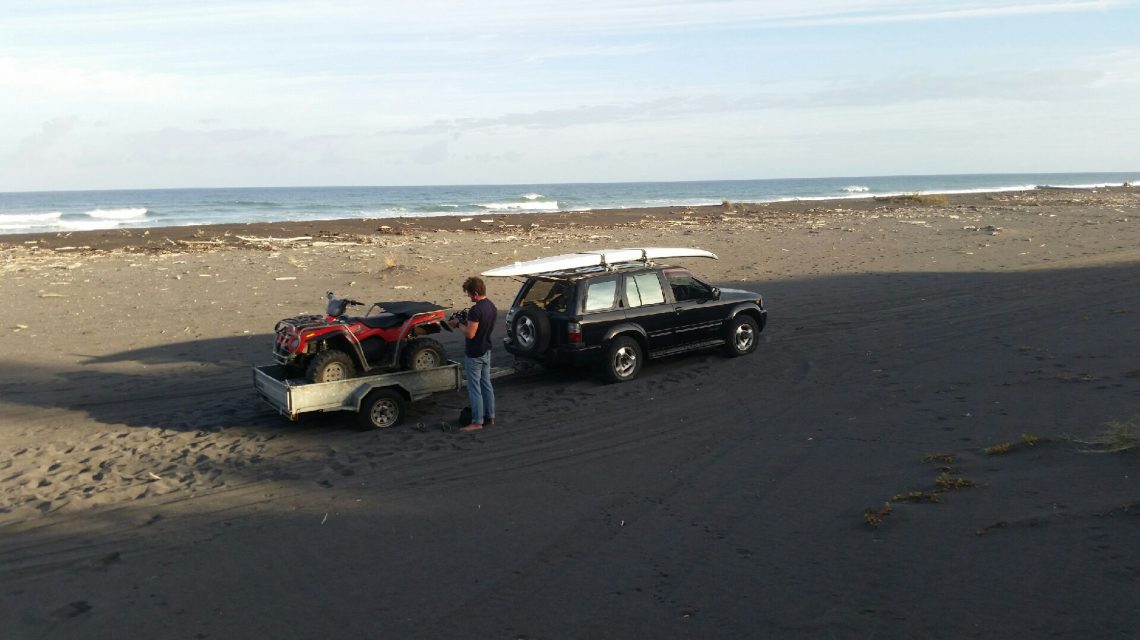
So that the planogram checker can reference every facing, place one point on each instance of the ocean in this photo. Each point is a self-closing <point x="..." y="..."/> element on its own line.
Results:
<point x="61" y="211"/>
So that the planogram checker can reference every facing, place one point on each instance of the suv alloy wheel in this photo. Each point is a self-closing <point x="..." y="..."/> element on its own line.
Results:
<point x="623" y="359"/>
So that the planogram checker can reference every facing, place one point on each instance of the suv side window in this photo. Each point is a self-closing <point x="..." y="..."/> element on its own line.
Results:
<point x="687" y="287"/>
<point x="601" y="294"/>
<point x="643" y="289"/>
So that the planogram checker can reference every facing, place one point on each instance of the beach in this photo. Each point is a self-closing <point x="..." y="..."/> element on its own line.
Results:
<point x="906" y="455"/>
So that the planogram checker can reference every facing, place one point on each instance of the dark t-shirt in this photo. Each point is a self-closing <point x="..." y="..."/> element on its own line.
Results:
<point x="485" y="313"/>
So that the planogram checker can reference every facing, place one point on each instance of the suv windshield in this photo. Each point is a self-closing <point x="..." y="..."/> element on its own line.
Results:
<point x="552" y="295"/>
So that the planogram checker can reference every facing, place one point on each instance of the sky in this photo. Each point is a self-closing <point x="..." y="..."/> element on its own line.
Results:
<point x="121" y="94"/>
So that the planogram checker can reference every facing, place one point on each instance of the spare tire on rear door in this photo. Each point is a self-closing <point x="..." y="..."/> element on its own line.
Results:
<point x="531" y="330"/>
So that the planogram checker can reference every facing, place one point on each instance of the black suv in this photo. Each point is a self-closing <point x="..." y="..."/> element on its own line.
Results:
<point x="615" y="315"/>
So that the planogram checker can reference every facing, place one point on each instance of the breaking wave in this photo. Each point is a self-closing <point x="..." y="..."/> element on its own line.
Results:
<point x="21" y="221"/>
<point x="130" y="213"/>
<point x="520" y="206"/>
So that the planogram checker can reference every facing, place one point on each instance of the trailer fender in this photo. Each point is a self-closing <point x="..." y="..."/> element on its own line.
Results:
<point x="363" y="390"/>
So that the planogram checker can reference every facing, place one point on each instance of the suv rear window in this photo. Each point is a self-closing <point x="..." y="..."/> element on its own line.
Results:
<point x="551" y="295"/>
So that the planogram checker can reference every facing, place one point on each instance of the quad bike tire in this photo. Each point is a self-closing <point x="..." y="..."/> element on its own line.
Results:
<point x="330" y="366"/>
<point x="422" y="353"/>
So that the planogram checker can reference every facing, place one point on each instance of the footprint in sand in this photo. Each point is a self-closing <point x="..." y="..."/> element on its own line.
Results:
<point x="72" y="609"/>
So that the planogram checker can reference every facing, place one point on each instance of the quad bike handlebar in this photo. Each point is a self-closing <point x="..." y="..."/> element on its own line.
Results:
<point x="348" y="301"/>
<point x="337" y="306"/>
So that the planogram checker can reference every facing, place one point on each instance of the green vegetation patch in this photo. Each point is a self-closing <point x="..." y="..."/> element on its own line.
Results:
<point x="917" y="496"/>
<point x="874" y="517"/>
<point x="1117" y="436"/>
<point x="1027" y="440"/>
<point x="915" y="198"/>
<point x="947" y="482"/>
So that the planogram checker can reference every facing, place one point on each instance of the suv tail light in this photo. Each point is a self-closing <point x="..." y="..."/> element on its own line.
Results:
<point x="573" y="332"/>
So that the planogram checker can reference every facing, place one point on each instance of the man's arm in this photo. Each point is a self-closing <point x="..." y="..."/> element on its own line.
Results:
<point x="470" y="329"/>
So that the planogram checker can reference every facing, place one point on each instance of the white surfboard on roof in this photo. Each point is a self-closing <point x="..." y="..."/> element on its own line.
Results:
<point x="596" y="258"/>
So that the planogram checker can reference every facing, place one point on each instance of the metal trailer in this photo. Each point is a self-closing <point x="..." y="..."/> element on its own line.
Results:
<point x="379" y="401"/>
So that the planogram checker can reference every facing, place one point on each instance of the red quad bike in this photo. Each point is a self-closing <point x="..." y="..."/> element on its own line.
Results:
<point x="336" y="347"/>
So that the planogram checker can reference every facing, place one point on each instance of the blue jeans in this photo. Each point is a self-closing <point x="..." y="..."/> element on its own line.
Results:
<point x="479" y="390"/>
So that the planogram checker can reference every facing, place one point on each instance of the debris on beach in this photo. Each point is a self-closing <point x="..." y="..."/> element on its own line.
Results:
<point x="257" y="240"/>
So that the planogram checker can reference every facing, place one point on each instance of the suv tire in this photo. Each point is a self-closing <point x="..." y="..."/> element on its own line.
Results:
<point x="743" y="335"/>
<point x="422" y="353"/>
<point x="623" y="359"/>
<point x="332" y="365"/>
<point x="531" y="329"/>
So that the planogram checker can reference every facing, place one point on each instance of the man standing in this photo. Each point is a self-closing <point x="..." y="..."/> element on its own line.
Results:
<point x="477" y="353"/>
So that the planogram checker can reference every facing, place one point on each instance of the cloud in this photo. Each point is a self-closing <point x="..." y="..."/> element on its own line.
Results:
<point x="592" y="51"/>
<point x="36" y="147"/>
<point x="63" y="79"/>
<point x="1119" y="69"/>
<point x="433" y="153"/>
<point x="938" y="11"/>
<point x="418" y="17"/>
<point x="1059" y="85"/>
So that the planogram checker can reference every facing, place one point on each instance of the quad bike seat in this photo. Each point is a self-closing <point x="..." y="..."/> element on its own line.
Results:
<point x="381" y="320"/>
<point x="395" y="313"/>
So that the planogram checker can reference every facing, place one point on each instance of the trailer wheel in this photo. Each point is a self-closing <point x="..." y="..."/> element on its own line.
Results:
<point x="382" y="408"/>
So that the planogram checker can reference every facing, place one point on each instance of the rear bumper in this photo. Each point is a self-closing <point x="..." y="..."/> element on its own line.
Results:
<point x="555" y="355"/>
<point x="283" y="358"/>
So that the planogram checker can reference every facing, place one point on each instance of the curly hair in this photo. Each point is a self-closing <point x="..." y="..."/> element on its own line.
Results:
<point x="475" y="285"/>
